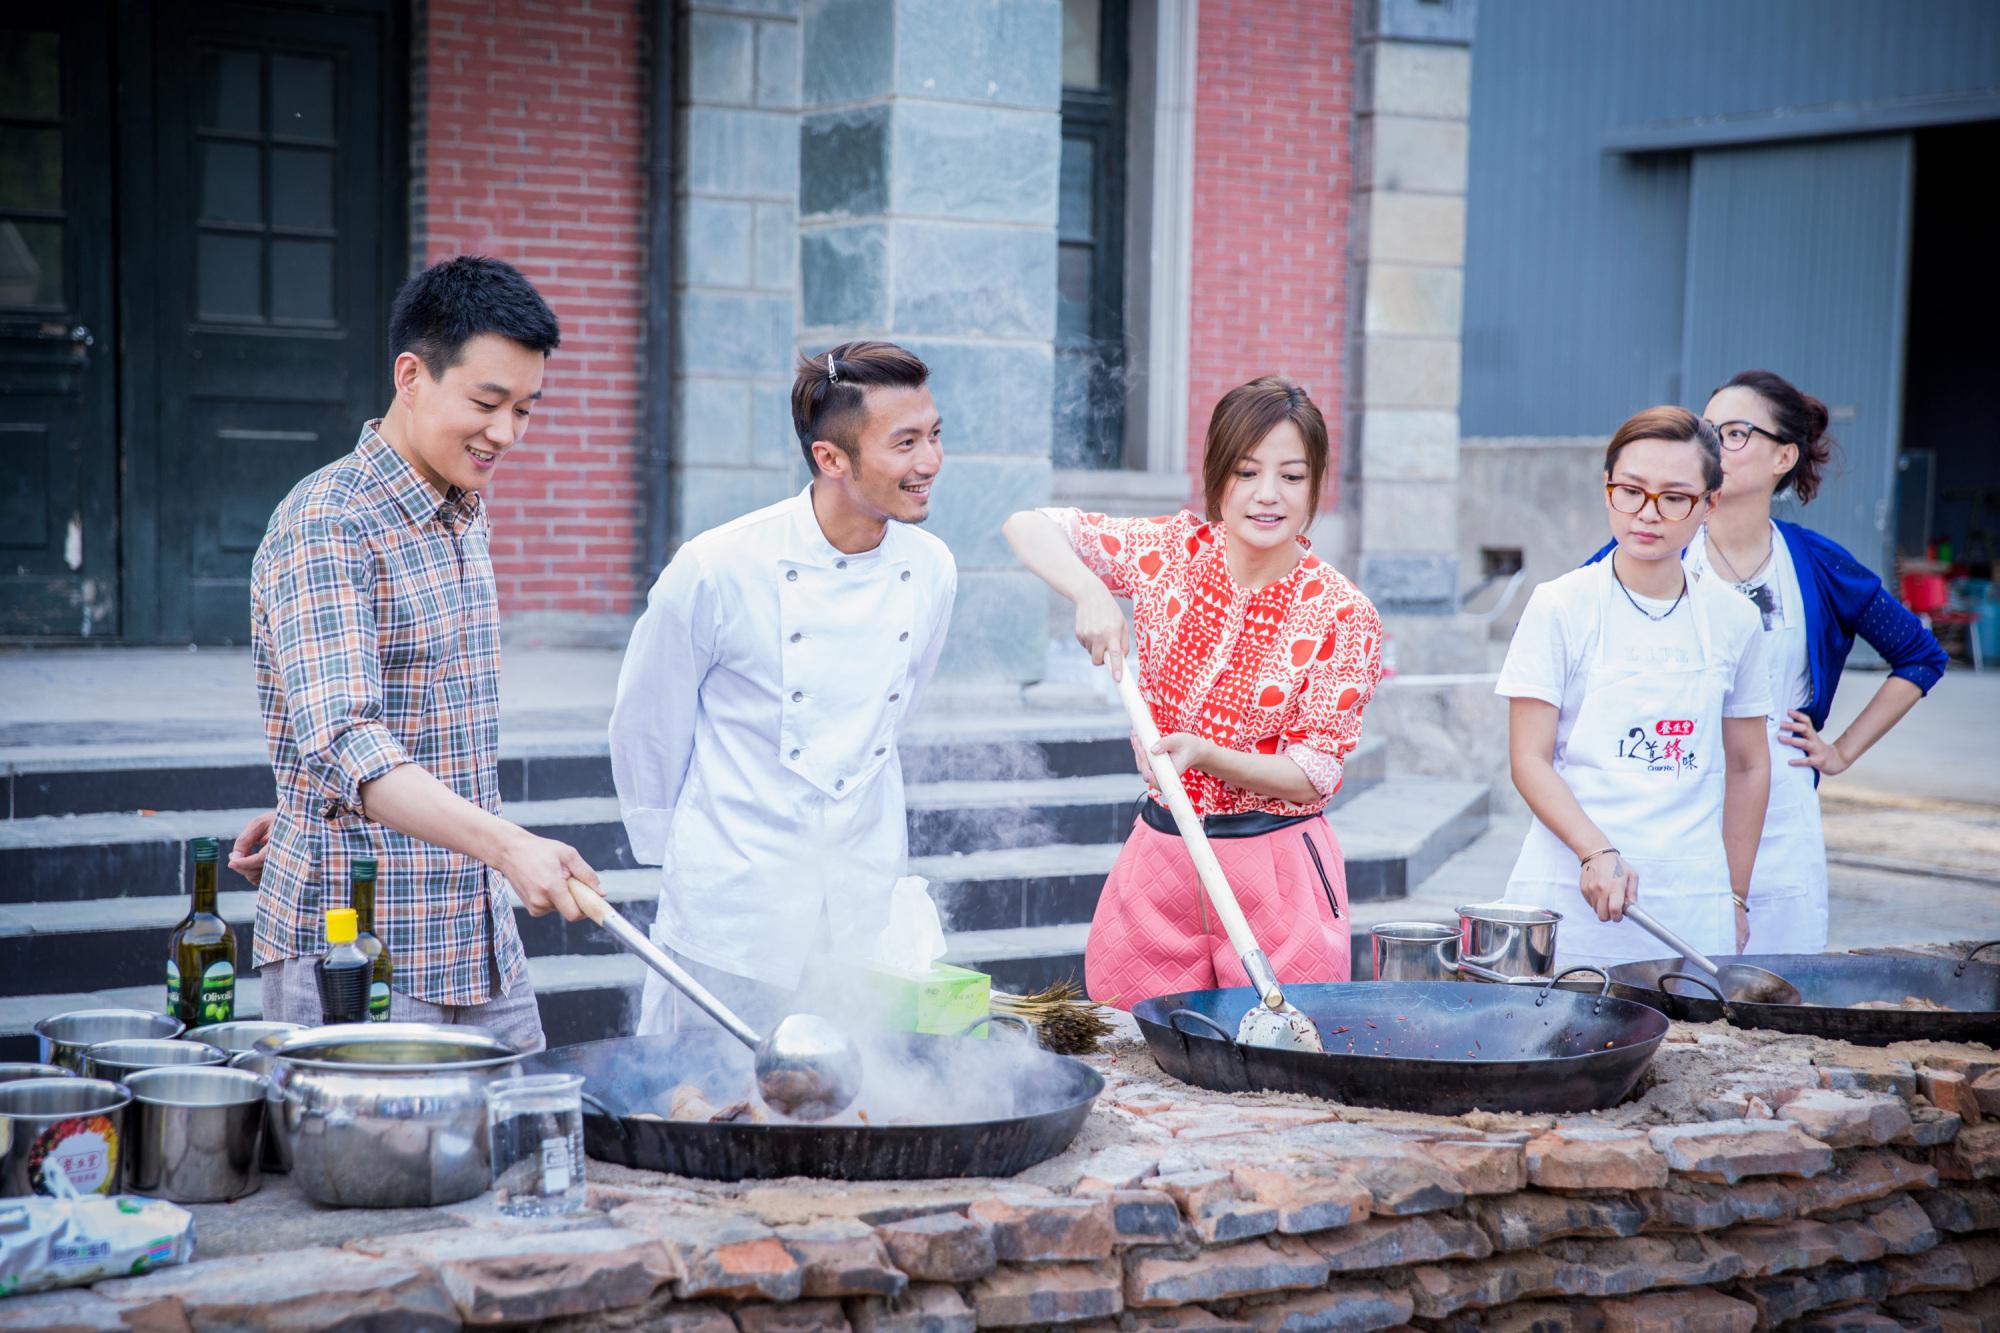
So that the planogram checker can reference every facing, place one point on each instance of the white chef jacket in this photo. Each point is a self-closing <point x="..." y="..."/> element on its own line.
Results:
<point x="753" y="742"/>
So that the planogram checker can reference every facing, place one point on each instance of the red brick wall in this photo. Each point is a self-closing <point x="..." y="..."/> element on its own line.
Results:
<point x="534" y="153"/>
<point x="1271" y="187"/>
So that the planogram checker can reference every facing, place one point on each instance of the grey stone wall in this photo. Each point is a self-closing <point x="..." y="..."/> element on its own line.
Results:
<point x="735" y="259"/>
<point x="1541" y="496"/>
<point x="930" y="147"/>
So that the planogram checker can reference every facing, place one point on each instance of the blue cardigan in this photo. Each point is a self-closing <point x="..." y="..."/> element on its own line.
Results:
<point x="1844" y="598"/>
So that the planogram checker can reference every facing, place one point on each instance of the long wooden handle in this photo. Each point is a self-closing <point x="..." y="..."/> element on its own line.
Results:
<point x="590" y="900"/>
<point x="1205" y="865"/>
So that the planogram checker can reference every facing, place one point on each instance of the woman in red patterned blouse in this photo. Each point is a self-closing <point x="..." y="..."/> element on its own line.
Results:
<point x="1257" y="658"/>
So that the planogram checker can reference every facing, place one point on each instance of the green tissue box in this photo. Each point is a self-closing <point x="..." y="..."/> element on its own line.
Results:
<point x="945" y="1000"/>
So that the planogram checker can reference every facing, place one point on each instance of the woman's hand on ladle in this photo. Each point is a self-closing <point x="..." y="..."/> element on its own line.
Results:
<point x="1608" y="883"/>
<point x="1100" y="628"/>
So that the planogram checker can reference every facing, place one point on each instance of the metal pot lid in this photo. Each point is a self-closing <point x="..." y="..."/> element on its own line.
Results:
<point x="391" y="1048"/>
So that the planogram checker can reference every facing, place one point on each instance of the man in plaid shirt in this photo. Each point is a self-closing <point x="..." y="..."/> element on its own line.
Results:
<point x="377" y="651"/>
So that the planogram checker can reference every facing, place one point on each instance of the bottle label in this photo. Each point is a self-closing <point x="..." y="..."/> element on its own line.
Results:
<point x="378" y="1001"/>
<point x="218" y="993"/>
<point x="173" y="988"/>
<point x="555" y="1166"/>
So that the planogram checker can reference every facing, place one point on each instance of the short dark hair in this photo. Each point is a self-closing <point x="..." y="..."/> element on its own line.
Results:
<point x="829" y="398"/>
<point x="1676" y="425"/>
<point x="1246" y="414"/>
<point x="1802" y="420"/>
<point x="447" y="305"/>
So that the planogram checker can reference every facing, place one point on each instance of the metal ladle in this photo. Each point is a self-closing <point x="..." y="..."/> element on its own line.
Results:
<point x="1741" y="982"/>
<point x="806" y="1068"/>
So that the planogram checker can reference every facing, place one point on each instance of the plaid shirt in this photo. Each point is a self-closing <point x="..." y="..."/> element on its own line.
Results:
<point x="376" y="644"/>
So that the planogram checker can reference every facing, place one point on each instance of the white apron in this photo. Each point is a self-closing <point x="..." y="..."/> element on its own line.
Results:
<point x="1646" y="764"/>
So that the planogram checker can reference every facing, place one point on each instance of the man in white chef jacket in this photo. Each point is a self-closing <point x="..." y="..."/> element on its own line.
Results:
<point x="753" y="742"/>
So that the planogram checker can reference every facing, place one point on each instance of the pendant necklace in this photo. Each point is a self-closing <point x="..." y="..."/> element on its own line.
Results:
<point x="1635" y="601"/>
<point x="1743" y="585"/>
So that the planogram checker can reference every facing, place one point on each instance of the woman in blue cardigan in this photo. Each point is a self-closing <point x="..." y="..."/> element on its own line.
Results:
<point x="1815" y="598"/>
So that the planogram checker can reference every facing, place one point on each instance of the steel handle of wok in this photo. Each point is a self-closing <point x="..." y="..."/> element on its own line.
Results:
<point x="1255" y="965"/>
<point x="1680" y="946"/>
<point x="1479" y="973"/>
<point x="635" y="941"/>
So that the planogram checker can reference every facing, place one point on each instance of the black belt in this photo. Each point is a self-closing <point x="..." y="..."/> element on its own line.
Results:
<point x="1249" y="824"/>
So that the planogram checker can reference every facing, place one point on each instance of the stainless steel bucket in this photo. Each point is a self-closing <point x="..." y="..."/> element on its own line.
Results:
<point x="64" y="1038"/>
<point x="76" y="1123"/>
<point x="18" y="1070"/>
<point x="116" y="1059"/>
<point x="242" y="1034"/>
<point x="1507" y="940"/>
<point x="1415" y="951"/>
<point x="197" y="1133"/>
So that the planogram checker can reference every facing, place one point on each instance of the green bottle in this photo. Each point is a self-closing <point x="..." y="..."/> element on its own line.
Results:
<point x="361" y="894"/>
<point x="201" y="952"/>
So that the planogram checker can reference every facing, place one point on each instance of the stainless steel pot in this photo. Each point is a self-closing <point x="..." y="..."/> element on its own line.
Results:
<point x="387" y="1115"/>
<point x="242" y="1035"/>
<point x="197" y="1133"/>
<point x="1415" y="951"/>
<point x="64" y="1038"/>
<point x="257" y="1060"/>
<point x="17" y="1070"/>
<point x="76" y="1123"/>
<point x="116" y="1059"/>
<point x="1508" y="941"/>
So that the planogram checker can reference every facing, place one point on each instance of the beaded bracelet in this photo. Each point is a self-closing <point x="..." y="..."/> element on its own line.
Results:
<point x="1593" y="856"/>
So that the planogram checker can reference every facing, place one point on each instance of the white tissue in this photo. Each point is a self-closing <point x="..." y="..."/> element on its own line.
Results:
<point x="914" y="938"/>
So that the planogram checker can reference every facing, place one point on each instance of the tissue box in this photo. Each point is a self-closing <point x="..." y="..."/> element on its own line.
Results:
<point x="945" y="1000"/>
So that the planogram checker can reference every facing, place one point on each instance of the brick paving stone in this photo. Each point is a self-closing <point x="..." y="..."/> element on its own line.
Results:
<point x="842" y="1256"/>
<point x="1861" y="1178"/>
<point x="940" y="1247"/>
<point x="524" y="1275"/>
<point x="1695" y="1205"/>
<point x="1930" y="1126"/>
<point x="1438" y="1290"/>
<point x="1385" y="1242"/>
<point x="725" y="1256"/>
<point x="1949" y="1090"/>
<point x="80" y="1311"/>
<point x="1215" y="1208"/>
<point x="1050" y="1294"/>
<point x="1144" y="1217"/>
<point x="1306" y="1197"/>
<point x="1726" y="1151"/>
<point x="1679" y="1312"/>
<point x="1252" y="1268"/>
<point x="1524" y="1221"/>
<point x="1047" y="1230"/>
<point x="1848" y="1119"/>
<point x="1483" y="1166"/>
<point x="1961" y="1208"/>
<point x="305" y="1290"/>
<point x="1945" y="1268"/>
<point x="1973" y="1155"/>
<point x="1604" y="1268"/>
<point x="1903" y="1226"/>
<point x="1587" y="1157"/>
<point x="1345" y="1307"/>
<point x="926" y="1307"/>
<point x="798" y="1317"/>
<point x="1867" y="1069"/>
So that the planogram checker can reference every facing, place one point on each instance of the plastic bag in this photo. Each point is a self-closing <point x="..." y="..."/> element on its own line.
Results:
<point x="69" y="1241"/>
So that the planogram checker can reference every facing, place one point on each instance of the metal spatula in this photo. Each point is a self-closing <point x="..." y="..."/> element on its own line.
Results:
<point x="1276" y="1022"/>
<point x="1741" y="982"/>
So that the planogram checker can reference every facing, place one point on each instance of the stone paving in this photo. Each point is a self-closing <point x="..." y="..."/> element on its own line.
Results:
<point x="1758" y="1180"/>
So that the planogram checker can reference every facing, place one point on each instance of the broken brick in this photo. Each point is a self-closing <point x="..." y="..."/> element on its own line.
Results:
<point x="1679" y="1312"/>
<point x="1483" y="1166"/>
<point x="1848" y="1119"/>
<point x="1864" y="1178"/>
<point x="1973" y="1155"/>
<point x="940" y="1247"/>
<point x="1524" y="1221"/>
<point x="1307" y="1198"/>
<point x="1041" y="1230"/>
<point x="1050" y="1294"/>
<point x="1384" y="1242"/>
<point x="1251" y="1268"/>
<point x="1949" y="1090"/>
<point x="1586" y="1157"/>
<point x="1726" y="1151"/>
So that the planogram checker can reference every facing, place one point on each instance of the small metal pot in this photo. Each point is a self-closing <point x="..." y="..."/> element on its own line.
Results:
<point x="242" y="1035"/>
<point x="77" y="1122"/>
<point x="13" y="1073"/>
<point x="115" y="1059"/>
<point x="1507" y="940"/>
<point x="64" y="1038"/>
<point x="197" y="1133"/>
<point x="1415" y="951"/>
<point x="257" y="1060"/>
<point x="387" y="1115"/>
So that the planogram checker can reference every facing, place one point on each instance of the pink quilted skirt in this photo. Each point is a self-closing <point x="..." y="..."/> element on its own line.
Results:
<point x="1154" y="932"/>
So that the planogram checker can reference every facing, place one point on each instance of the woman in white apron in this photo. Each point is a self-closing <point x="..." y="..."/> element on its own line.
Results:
<point x="1637" y="698"/>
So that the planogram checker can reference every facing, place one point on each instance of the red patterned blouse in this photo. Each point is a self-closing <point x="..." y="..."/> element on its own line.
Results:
<point x="1284" y="669"/>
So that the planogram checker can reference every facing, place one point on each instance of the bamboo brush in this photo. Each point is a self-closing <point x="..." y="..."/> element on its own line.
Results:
<point x="1066" y="1022"/>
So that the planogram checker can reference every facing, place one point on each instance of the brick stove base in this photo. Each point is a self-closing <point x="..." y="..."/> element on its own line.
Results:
<point x="1758" y="1181"/>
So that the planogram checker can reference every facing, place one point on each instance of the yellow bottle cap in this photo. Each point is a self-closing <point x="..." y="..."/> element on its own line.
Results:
<point x="340" y="925"/>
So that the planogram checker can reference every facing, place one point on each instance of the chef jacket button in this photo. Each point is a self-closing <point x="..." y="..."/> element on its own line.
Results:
<point x="791" y="576"/>
<point x="904" y="637"/>
<point x="798" y="696"/>
<point x="840" y="564"/>
<point x="897" y="695"/>
<point x="881" y="749"/>
<point x="906" y="576"/>
<point x="839" y="784"/>
<point x="795" y="754"/>
<point x="796" y="636"/>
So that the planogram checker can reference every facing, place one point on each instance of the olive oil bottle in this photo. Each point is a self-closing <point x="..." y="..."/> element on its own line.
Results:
<point x="201" y="952"/>
<point x="361" y="896"/>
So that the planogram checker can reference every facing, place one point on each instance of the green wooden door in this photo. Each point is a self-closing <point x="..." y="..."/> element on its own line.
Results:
<point x="58" y="429"/>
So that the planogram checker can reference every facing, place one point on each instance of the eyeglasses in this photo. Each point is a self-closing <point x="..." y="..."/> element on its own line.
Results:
<point x="1671" y="506"/>
<point x="1736" y="434"/>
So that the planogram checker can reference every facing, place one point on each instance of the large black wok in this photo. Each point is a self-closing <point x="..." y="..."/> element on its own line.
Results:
<point x="1445" y="1047"/>
<point x="1830" y="984"/>
<point x="987" y="1108"/>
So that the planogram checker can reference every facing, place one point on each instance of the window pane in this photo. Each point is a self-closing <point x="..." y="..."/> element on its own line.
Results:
<point x="302" y="98"/>
<point x="229" y="277"/>
<point x="31" y="264"/>
<point x="232" y="182"/>
<point x="1075" y="208"/>
<point x="30" y="168"/>
<point x="1073" y="272"/>
<point x="302" y="280"/>
<point x="1083" y="34"/>
<point x="301" y="188"/>
<point x="229" y="87"/>
<point x="30" y="75"/>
